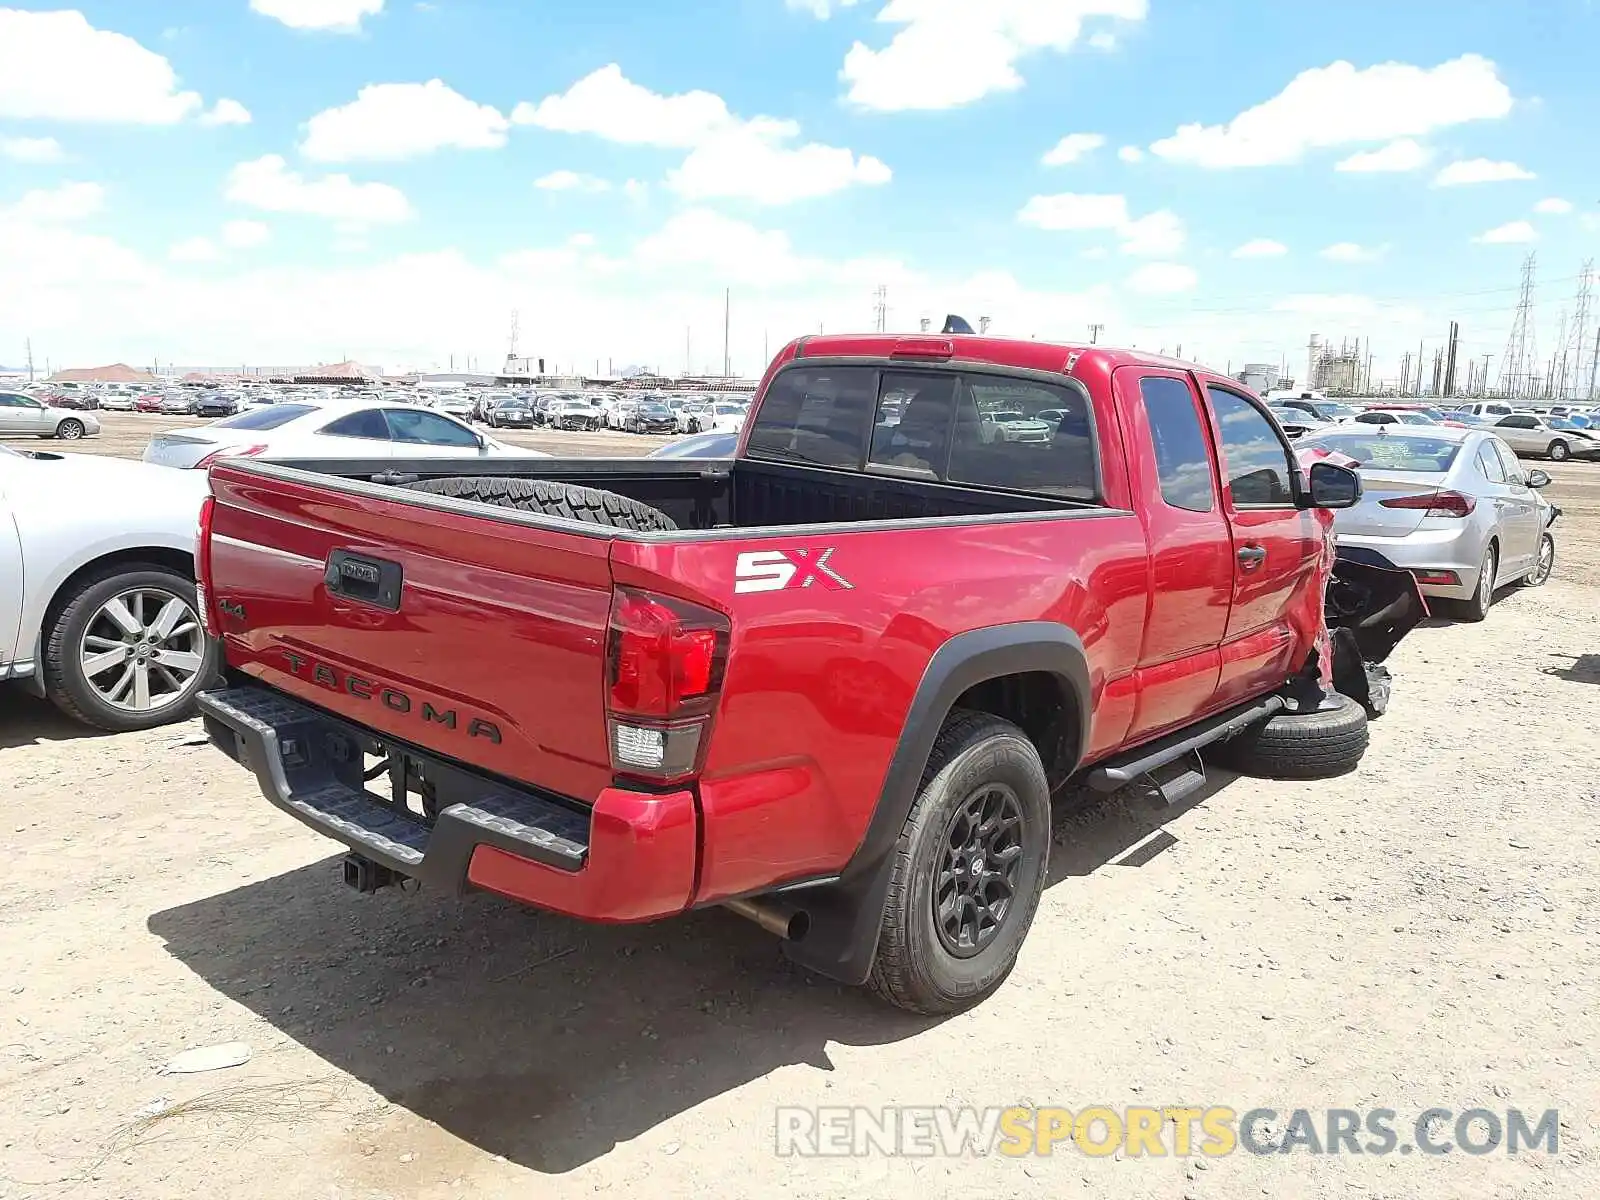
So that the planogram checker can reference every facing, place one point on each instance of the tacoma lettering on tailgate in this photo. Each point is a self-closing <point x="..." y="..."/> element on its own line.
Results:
<point x="391" y="698"/>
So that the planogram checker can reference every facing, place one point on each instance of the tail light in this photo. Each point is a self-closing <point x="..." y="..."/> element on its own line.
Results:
<point x="229" y="452"/>
<point x="202" y="568"/>
<point x="664" y="664"/>
<point x="1437" y="504"/>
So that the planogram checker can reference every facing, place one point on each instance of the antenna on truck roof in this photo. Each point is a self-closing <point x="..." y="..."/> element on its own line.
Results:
<point x="955" y="324"/>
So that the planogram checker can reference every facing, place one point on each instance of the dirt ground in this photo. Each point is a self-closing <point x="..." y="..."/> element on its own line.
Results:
<point x="1425" y="932"/>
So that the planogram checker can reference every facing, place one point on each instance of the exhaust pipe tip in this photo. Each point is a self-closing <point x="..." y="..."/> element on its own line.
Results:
<point x="781" y="920"/>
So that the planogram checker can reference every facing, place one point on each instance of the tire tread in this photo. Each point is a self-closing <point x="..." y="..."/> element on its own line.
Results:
<point x="556" y="499"/>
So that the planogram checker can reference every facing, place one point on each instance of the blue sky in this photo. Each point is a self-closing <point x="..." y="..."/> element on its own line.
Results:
<point x="275" y="181"/>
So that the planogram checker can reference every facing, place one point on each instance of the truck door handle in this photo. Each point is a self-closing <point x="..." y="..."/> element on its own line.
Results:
<point x="1251" y="557"/>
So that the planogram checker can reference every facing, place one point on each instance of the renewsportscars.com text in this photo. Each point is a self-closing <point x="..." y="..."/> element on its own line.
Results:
<point x="1178" y="1131"/>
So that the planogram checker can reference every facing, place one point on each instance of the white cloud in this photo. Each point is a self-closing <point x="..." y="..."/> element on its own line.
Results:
<point x="226" y="112"/>
<point x="245" y="235"/>
<point x="193" y="250"/>
<point x="820" y="9"/>
<point x="1351" y="252"/>
<point x="1073" y="147"/>
<point x="947" y="53"/>
<point x="58" y="67"/>
<point x="1510" y="233"/>
<point x="636" y="190"/>
<point x="1554" y="205"/>
<point x="607" y="104"/>
<point x="337" y="16"/>
<point x="1161" y="232"/>
<point x="1261" y="248"/>
<point x="268" y="183"/>
<point x="570" y="181"/>
<point x="1103" y="41"/>
<point x="1480" y="170"/>
<point x="387" y="122"/>
<point x="728" y="157"/>
<point x="32" y="150"/>
<point x="1131" y="154"/>
<point x="1161" y="278"/>
<point x="1339" y="105"/>
<point x="581" y="241"/>
<point x="1402" y="154"/>
<point x="57" y="205"/>
<point x="753" y="161"/>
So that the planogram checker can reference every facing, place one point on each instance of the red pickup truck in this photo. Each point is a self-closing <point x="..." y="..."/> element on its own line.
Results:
<point x="831" y="683"/>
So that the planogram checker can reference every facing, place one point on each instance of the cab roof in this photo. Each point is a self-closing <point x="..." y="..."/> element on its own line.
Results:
<point x="1065" y="358"/>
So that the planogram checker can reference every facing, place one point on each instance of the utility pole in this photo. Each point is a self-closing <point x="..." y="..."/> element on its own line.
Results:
<point x="880" y="308"/>
<point x="1450" y="360"/>
<point x="727" y="317"/>
<point x="1483" y="379"/>
<point x="30" y="360"/>
<point x="1419" y="367"/>
<point x="983" y="325"/>
<point x="1311" y="363"/>
<point x="1095" y="331"/>
<point x="1405" y="373"/>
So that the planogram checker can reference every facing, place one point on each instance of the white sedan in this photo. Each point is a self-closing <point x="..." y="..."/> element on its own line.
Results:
<point x="719" y="418"/>
<point x="97" y="599"/>
<point x="374" y="429"/>
<point x="20" y="413"/>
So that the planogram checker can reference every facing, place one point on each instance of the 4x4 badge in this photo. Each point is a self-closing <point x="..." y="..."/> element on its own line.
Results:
<point x="775" y="570"/>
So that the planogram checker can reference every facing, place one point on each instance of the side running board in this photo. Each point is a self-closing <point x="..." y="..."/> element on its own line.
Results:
<point x="1143" y="760"/>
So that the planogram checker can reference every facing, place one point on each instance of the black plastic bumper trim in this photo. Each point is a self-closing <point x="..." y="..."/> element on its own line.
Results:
<point x="301" y="759"/>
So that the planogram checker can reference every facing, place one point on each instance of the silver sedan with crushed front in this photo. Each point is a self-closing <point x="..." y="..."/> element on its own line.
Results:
<point x="1452" y="506"/>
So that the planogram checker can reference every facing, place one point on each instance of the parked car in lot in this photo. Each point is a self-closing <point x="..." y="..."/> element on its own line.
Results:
<point x="1018" y="427"/>
<point x="338" y="429"/>
<point x="721" y="417"/>
<point x="573" y="413"/>
<point x="177" y="404"/>
<point x="652" y="418"/>
<point x="620" y="413"/>
<point x="1453" y="506"/>
<point x="97" y="602"/>
<point x="118" y="402"/>
<point x="515" y="413"/>
<point x="687" y="412"/>
<point x="828" y="694"/>
<point x="20" y="414"/>
<point x="457" y="404"/>
<point x="215" y="404"/>
<point x="1535" y="437"/>
<point x="150" y="402"/>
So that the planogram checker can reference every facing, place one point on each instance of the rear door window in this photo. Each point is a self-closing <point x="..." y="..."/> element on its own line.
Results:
<point x="1002" y="439"/>
<point x="1489" y="464"/>
<point x="1183" y="452"/>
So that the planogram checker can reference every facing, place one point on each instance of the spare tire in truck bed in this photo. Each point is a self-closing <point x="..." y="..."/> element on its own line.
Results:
<point x="553" y="499"/>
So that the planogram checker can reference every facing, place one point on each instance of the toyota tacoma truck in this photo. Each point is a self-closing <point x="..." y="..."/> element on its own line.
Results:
<point x="832" y="682"/>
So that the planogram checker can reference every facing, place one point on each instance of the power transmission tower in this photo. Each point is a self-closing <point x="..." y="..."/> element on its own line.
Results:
<point x="880" y="308"/>
<point x="1518" y="364"/>
<point x="1572" y="382"/>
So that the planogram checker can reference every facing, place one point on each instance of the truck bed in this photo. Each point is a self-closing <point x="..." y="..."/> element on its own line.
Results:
<point x="701" y="494"/>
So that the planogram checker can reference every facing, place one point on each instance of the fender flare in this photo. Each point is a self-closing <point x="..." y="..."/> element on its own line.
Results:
<point x="846" y="913"/>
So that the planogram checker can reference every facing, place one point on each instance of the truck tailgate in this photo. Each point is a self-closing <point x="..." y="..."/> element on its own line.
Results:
<point x="467" y="635"/>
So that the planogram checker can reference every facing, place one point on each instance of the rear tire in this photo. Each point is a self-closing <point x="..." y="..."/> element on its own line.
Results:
<point x="1477" y="608"/>
<point x="983" y="804"/>
<point x="1316" y="745"/>
<point x="553" y="499"/>
<point x="73" y="628"/>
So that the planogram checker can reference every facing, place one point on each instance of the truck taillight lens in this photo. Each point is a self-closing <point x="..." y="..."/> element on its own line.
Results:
<point x="202" y="567"/>
<point x="664" y="663"/>
<point x="1437" y="504"/>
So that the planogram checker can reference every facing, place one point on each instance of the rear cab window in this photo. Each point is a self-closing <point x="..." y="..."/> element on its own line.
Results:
<point x="967" y="427"/>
